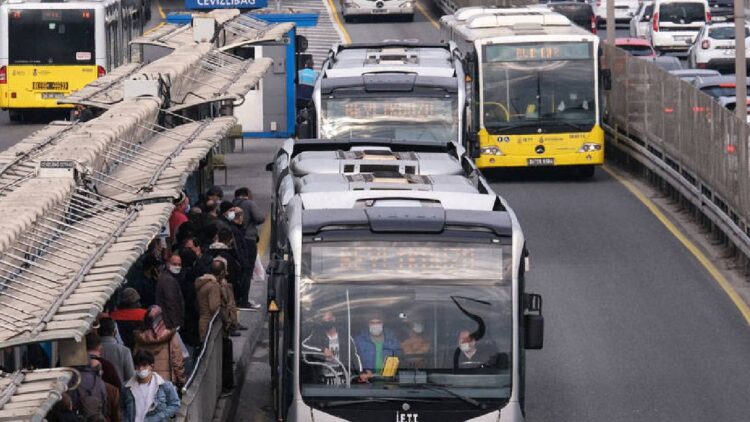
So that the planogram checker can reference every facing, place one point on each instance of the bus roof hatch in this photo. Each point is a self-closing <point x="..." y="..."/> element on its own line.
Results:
<point x="400" y="219"/>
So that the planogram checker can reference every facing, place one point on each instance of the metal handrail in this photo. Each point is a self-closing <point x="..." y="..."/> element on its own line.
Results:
<point x="198" y="361"/>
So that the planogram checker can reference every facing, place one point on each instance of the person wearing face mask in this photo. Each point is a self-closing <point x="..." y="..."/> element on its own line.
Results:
<point x="169" y="294"/>
<point x="375" y="346"/>
<point x="328" y="342"/>
<point x="471" y="353"/>
<point x="164" y="343"/>
<point x="415" y="347"/>
<point x="179" y="214"/>
<point x="147" y="396"/>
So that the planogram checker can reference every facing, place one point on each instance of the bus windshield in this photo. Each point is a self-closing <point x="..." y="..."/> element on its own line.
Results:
<point x="51" y="36"/>
<point x="442" y="333"/>
<point x="392" y="117"/>
<point x="537" y="85"/>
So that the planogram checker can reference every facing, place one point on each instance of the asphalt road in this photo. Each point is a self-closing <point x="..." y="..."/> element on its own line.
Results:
<point x="636" y="328"/>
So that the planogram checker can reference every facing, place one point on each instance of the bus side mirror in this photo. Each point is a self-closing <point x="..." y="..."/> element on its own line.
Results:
<point x="533" y="322"/>
<point x="473" y="144"/>
<point x="607" y="79"/>
<point x="269" y="166"/>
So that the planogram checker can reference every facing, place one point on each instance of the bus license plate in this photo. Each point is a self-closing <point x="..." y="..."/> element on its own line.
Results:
<point x="380" y="11"/>
<point x="52" y="95"/>
<point x="53" y="86"/>
<point x="541" y="161"/>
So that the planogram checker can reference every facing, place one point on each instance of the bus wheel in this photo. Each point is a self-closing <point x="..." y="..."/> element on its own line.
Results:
<point x="586" y="172"/>
<point x="15" y="115"/>
<point x="348" y="19"/>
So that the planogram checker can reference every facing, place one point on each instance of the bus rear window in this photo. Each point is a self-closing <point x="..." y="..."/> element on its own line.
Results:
<point x="682" y="13"/>
<point x="55" y="36"/>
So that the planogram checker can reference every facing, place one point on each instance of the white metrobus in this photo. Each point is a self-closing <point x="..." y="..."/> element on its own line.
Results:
<point x="352" y="9"/>
<point x="50" y="49"/>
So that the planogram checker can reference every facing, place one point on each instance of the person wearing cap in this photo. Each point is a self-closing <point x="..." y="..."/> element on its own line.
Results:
<point x="128" y="315"/>
<point x="179" y="214"/>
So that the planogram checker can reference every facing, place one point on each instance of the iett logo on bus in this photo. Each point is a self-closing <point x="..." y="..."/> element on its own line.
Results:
<point x="406" y="417"/>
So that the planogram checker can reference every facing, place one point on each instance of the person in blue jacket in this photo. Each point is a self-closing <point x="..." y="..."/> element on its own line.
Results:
<point x="374" y="346"/>
<point x="147" y="397"/>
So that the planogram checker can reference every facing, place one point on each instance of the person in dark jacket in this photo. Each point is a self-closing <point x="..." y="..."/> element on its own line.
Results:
<point x="145" y="282"/>
<point x="117" y="354"/>
<point x="224" y="248"/>
<point x="147" y="396"/>
<point x="169" y="294"/>
<point x="128" y="315"/>
<point x="252" y="217"/>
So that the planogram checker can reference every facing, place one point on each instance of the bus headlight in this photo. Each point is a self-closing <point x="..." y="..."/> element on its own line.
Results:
<point x="590" y="147"/>
<point x="491" y="150"/>
<point x="351" y="5"/>
<point x="406" y="4"/>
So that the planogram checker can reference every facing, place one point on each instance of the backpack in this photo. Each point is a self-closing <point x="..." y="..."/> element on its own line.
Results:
<point x="90" y="398"/>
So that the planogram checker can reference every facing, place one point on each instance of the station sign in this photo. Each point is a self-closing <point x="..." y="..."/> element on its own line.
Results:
<point x="225" y="4"/>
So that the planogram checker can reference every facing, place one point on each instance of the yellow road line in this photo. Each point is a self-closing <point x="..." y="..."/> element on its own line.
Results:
<point x="347" y="38"/>
<point x="427" y="15"/>
<point x="265" y="236"/>
<point x="154" y="28"/>
<point x="161" y="11"/>
<point x="690" y="246"/>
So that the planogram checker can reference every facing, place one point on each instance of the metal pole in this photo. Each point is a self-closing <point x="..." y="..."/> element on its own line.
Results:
<point x="611" y="22"/>
<point x="740" y="66"/>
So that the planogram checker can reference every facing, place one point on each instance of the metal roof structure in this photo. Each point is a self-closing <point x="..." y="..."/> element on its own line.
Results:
<point x="65" y="245"/>
<point x="29" y="395"/>
<point x="173" y="35"/>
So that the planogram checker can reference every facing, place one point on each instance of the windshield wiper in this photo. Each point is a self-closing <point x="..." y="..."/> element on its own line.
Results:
<point x="499" y="128"/>
<point x="576" y="126"/>
<point x="442" y="388"/>
<point x="339" y="403"/>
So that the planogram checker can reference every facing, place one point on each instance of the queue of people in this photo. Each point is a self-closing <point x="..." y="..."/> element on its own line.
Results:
<point x="143" y="348"/>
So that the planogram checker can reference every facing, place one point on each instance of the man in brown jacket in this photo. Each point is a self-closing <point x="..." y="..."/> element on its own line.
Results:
<point x="208" y="294"/>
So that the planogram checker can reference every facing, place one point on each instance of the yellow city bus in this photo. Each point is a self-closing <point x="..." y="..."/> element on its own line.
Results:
<point x="51" y="49"/>
<point x="533" y="92"/>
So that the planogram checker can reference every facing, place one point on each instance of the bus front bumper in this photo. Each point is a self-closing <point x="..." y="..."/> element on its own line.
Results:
<point x="300" y="412"/>
<point x="352" y="8"/>
<point x="570" y="159"/>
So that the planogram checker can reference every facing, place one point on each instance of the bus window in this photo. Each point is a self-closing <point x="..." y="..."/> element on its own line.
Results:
<point x="51" y="36"/>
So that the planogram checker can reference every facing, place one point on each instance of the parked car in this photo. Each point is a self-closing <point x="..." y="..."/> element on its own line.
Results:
<point x="675" y="23"/>
<point x="637" y="47"/>
<point x="721" y="10"/>
<point x="624" y="10"/>
<point x="730" y="103"/>
<point x="718" y="86"/>
<point x="642" y="19"/>
<point x="580" y="12"/>
<point x="714" y="47"/>
<point x="689" y="75"/>
<point x="668" y="63"/>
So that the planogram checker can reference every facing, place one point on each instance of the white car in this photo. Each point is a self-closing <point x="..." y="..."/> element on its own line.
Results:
<point x="642" y="20"/>
<point x="714" y="47"/>
<point x="730" y="103"/>
<point x="676" y="23"/>
<point x="624" y="10"/>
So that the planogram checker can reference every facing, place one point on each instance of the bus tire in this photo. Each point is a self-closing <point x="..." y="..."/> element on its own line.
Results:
<point x="348" y="19"/>
<point x="15" y="115"/>
<point x="586" y="172"/>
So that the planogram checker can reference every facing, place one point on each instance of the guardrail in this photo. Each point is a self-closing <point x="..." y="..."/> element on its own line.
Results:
<point x="203" y="388"/>
<point x="686" y="139"/>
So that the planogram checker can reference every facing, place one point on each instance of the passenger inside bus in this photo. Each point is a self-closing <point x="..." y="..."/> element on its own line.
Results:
<point x="374" y="346"/>
<point x="415" y="347"/>
<point x="472" y="352"/>
<point x="326" y="346"/>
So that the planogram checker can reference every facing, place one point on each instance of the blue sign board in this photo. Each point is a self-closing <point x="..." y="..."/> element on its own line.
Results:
<point x="225" y="4"/>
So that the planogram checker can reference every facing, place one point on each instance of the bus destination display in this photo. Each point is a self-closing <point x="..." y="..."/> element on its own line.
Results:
<point x="393" y="108"/>
<point x="443" y="262"/>
<point x="537" y="52"/>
